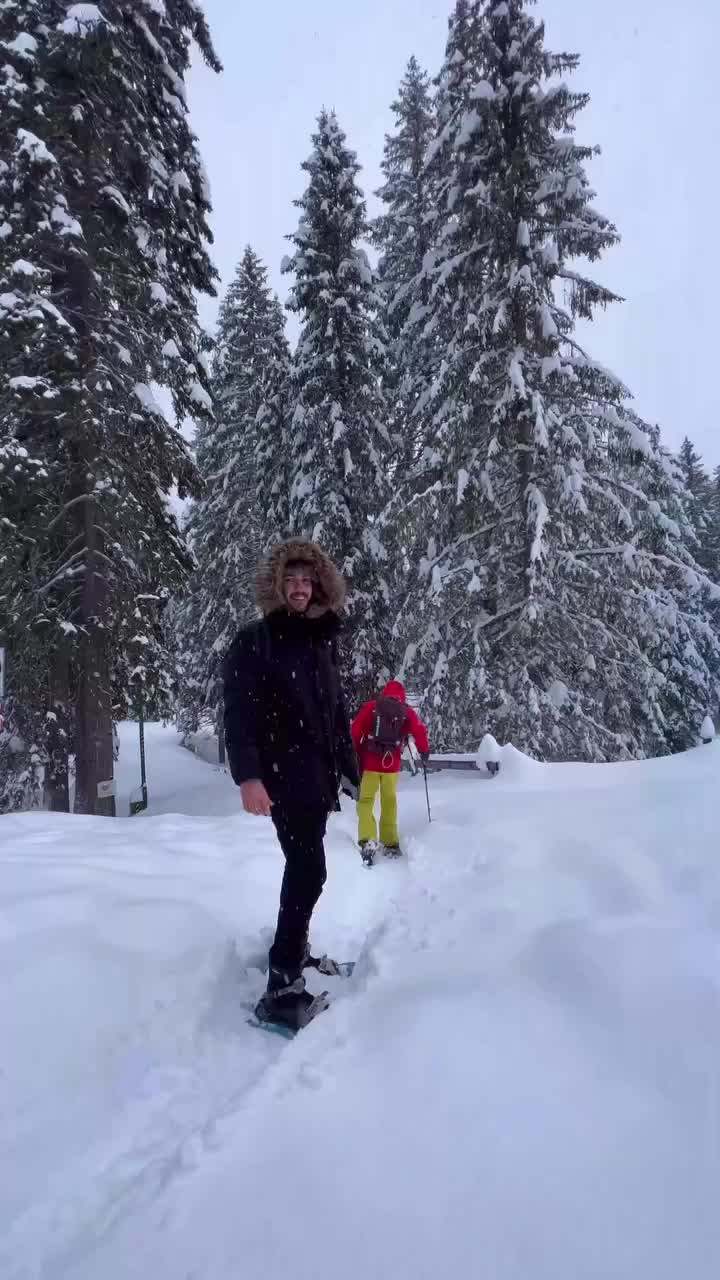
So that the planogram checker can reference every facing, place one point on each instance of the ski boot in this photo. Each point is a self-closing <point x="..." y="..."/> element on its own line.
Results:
<point x="287" y="1003"/>
<point x="368" y="852"/>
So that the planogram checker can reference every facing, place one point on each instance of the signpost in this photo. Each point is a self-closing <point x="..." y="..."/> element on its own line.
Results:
<point x="139" y="802"/>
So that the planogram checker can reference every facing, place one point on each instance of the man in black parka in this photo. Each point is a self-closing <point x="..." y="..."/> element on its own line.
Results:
<point x="288" y="743"/>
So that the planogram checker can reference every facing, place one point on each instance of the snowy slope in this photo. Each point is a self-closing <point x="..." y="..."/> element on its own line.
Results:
<point x="520" y="1082"/>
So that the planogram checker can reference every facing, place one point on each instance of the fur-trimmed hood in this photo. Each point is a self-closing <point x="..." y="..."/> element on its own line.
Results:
<point x="329" y="590"/>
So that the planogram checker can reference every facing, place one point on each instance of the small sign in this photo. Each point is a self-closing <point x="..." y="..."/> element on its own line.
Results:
<point x="2" y="673"/>
<point x="106" y="789"/>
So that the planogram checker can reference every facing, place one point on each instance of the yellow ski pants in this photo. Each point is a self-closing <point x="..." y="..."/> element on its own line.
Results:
<point x="386" y="783"/>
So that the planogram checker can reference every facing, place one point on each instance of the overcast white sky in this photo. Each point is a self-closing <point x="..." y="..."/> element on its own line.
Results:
<point x="650" y="66"/>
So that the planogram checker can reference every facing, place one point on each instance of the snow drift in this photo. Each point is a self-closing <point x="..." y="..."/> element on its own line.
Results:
<point x="520" y="1080"/>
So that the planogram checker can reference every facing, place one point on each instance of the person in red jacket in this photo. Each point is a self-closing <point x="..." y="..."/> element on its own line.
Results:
<point x="379" y="731"/>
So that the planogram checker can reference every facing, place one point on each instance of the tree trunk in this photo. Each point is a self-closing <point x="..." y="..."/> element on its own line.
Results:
<point x="94" y="756"/>
<point x="93" y="729"/>
<point x="57" y="773"/>
<point x="220" y="730"/>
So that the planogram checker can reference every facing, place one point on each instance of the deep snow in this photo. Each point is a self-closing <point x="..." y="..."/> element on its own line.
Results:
<point x="520" y="1082"/>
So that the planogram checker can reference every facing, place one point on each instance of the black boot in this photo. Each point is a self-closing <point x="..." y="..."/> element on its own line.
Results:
<point x="286" y="1001"/>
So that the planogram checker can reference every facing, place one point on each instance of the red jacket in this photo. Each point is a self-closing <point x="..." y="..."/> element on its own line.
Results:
<point x="373" y="758"/>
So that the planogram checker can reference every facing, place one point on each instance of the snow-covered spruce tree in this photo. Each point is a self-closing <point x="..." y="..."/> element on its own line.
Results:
<point x="339" y="439"/>
<point x="33" y="337"/>
<point x="103" y="209"/>
<point x="713" y="538"/>
<point x="401" y="235"/>
<point x="671" y="606"/>
<point x="699" y="495"/>
<point x="691" y="465"/>
<point x="23" y="764"/>
<point x="539" y="576"/>
<point x="700" y="510"/>
<point x="433" y="319"/>
<point x="401" y="232"/>
<point x="273" y="451"/>
<point x="225" y="525"/>
<point x="145" y="671"/>
<point x="713" y="551"/>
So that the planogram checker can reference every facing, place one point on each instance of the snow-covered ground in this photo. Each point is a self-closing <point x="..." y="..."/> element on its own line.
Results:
<point x="521" y="1081"/>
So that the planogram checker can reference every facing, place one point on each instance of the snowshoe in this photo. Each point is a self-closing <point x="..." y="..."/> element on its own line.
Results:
<point x="290" y="1012"/>
<point x="368" y="852"/>
<point x="392" y="851"/>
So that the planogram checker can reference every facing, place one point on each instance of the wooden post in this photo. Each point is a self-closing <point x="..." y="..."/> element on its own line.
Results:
<point x="220" y="730"/>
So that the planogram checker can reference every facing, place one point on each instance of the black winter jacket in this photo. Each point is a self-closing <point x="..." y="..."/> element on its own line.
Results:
<point x="285" y="718"/>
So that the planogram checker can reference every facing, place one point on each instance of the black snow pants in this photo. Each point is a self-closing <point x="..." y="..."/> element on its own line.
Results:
<point x="301" y="834"/>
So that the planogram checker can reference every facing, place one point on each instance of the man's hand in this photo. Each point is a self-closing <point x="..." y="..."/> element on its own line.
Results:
<point x="255" y="798"/>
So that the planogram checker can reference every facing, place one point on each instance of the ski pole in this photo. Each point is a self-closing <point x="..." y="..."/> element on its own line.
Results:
<point x="427" y="793"/>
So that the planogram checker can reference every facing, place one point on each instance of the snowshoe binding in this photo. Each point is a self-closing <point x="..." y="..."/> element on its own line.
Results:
<point x="368" y="852"/>
<point x="325" y="964"/>
<point x="286" y="1005"/>
<point x="331" y="968"/>
<point x="289" y="1015"/>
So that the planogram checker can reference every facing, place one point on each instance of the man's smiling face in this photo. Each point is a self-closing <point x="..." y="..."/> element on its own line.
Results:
<point x="298" y="587"/>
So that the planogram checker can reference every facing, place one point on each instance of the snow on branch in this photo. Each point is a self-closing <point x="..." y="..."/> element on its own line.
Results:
<point x="24" y="45"/>
<point x="147" y="399"/>
<point x="81" y="20"/>
<point x="30" y="145"/>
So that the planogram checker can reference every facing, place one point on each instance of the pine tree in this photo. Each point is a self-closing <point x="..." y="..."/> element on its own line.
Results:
<point x="226" y="526"/>
<point x="553" y="561"/>
<point x="671" y="611"/>
<point x="712" y="562"/>
<point x="402" y="236"/>
<point x="273" y="451"/>
<point x="103" y="209"/>
<point x="22" y="730"/>
<point x="339" y="440"/>
<point x="698" y="489"/>
<point x="713" y="540"/>
<point x="432" y="321"/>
<point x="401" y="233"/>
<point x="694" y="474"/>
